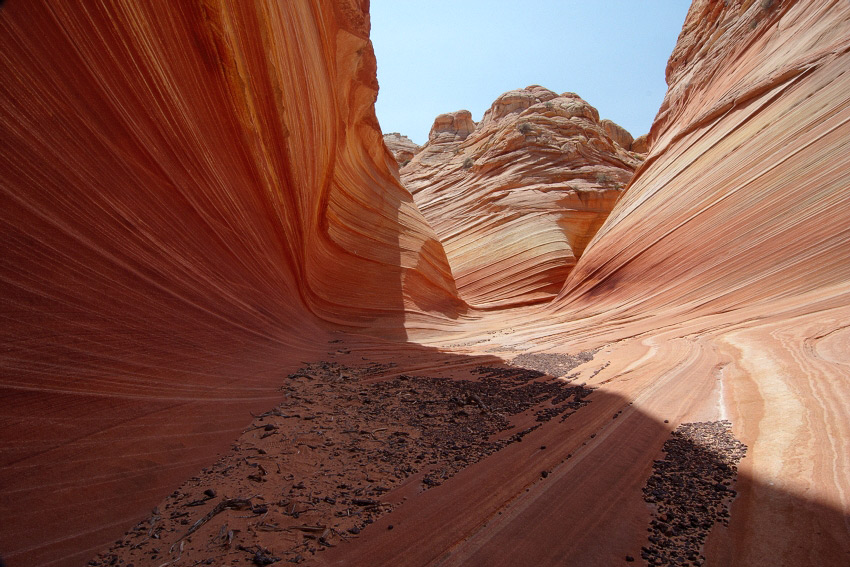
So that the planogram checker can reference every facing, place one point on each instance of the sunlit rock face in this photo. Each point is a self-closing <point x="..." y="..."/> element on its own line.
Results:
<point x="191" y="194"/>
<point x="641" y="144"/>
<point x="743" y="195"/>
<point x="516" y="198"/>
<point x="618" y="134"/>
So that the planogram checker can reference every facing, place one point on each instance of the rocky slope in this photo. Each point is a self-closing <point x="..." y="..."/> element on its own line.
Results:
<point x="516" y="198"/>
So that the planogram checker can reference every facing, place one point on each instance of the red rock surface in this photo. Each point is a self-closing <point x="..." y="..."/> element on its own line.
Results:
<point x="516" y="198"/>
<point x="746" y="186"/>
<point x="719" y="287"/>
<point x="191" y="194"/>
<point x="747" y="106"/>
<point x="187" y="217"/>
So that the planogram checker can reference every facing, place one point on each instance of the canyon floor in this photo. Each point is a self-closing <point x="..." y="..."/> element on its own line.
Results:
<point x="686" y="446"/>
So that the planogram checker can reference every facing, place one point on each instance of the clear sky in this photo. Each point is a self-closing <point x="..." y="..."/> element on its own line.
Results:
<point x="438" y="56"/>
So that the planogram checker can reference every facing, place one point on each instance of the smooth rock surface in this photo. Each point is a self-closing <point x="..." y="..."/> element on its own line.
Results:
<point x="746" y="186"/>
<point x="191" y="196"/>
<point x="617" y="133"/>
<point x="641" y="144"/>
<point x="717" y="290"/>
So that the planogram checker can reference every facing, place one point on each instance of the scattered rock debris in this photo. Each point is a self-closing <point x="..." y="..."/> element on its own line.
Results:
<point x="691" y="489"/>
<point x="315" y="471"/>
<point x="552" y="363"/>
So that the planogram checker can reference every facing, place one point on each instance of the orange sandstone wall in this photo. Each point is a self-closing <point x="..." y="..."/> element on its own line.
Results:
<point x="745" y="194"/>
<point x="191" y="194"/>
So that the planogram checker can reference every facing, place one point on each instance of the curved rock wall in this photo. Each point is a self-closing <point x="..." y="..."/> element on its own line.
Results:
<point x="267" y="180"/>
<point x="743" y="197"/>
<point x="161" y="276"/>
<point x="191" y="194"/>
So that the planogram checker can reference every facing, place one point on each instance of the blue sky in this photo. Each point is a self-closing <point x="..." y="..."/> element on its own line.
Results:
<point x="438" y="56"/>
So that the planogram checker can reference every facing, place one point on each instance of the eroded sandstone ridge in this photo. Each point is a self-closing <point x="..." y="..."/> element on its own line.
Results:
<point x="516" y="198"/>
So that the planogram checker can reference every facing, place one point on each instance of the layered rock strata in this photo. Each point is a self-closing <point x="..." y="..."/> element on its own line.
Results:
<point x="184" y="197"/>
<point x="516" y="198"/>
<point x="745" y="184"/>
<point x="191" y="195"/>
<point x="733" y="235"/>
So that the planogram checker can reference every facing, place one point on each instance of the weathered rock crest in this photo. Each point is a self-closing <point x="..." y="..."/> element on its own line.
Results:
<point x="516" y="198"/>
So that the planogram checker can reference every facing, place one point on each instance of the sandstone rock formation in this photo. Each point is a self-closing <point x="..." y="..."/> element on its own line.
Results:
<point x="516" y="198"/>
<point x="718" y="289"/>
<point x="189" y="217"/>
<point x="734" y="233"/>
<point x="746" y="104"/>
<point x="451" y="127"/>
<point x="402" y="147"/>
<point x="617" y="133"/>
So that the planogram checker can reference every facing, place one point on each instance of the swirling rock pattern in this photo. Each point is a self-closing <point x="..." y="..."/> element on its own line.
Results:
<point x="718" y="289"/>
<point x="191" y="194"/>
<point x="516" y="198"/>
<point x="750" y="140"/>
<point x="195" y="198"/>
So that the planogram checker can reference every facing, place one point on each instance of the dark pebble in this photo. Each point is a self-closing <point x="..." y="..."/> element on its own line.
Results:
<point x="209" y="493"/>
<point x="544" y="474"/>
<point x="261" y="559"/>
<point x="390" y="527"/>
